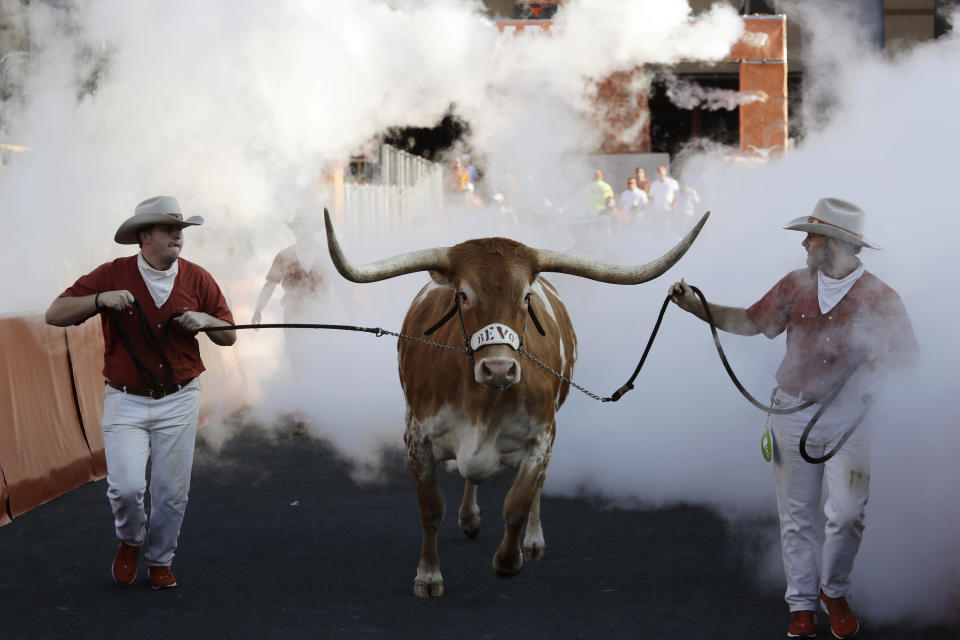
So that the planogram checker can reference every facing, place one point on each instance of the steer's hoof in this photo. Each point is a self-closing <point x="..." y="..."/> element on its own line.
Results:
<point x="471" y="526"/>
<point x="505" y="568"/>
<point x="534" y="551"/>
<point x="428" y="588"/>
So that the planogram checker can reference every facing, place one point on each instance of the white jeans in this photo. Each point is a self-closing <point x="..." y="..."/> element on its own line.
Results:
<point x="815" y="557"/>
<point x="135" y="429"/>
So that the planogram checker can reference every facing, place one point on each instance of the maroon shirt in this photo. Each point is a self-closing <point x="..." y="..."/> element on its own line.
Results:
<point x="194" y="290"/>
<point x="295" y="280"/>
<point x="869" y="320"/>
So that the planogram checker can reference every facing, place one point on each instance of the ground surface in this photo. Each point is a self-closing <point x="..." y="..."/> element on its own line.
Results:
<point x="279" y="543"/>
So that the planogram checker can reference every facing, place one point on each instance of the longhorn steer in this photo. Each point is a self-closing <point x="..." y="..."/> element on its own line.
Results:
<point x="486" y="410"/>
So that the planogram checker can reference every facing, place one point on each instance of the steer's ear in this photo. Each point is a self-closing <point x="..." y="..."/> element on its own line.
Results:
<point x="441" y="278"/>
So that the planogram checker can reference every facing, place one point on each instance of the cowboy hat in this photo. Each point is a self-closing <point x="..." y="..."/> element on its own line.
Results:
<point x="156" y="210"/>
<point x="835" y="218"/>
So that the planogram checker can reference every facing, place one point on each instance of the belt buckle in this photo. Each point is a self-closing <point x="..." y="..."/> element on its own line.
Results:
<point x="154" y="393"/>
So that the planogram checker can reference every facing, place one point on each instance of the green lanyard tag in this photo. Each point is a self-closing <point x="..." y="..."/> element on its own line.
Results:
<point x="766" y="445"/>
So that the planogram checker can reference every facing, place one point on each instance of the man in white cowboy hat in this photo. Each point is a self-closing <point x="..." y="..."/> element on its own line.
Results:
<point x="299" y="270"/>
<point x="836" y="315"/>
<point x="151" y="306"/>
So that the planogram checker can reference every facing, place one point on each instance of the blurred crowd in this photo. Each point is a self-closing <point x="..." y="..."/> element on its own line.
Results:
<point x="665" y="201"/>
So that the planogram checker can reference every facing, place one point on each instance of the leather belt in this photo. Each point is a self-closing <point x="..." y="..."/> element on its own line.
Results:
<point x="156" y="394"/>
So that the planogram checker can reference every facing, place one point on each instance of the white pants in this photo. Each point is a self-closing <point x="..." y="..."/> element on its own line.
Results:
<point x="135" y="429"/>
<point x="815" y="555"/>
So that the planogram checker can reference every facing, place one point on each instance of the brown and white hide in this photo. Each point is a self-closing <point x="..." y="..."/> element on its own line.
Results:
<point x="457" y="411"/>
<point x="497" y="407"/>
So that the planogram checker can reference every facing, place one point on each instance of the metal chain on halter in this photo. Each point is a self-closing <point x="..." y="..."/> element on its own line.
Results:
<point x="439" y="345"/>
<point x="561" y="376"/>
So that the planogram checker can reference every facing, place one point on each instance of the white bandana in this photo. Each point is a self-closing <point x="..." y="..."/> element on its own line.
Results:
<point x="830" y="291"/>
<point x="307" y="252"/>
<point x="159" y="283"/>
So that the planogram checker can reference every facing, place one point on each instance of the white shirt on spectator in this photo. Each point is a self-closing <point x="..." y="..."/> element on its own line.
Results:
<point x="663" y="193"/>
<point x="687" y="201"/>
<point x="633" y="198"/>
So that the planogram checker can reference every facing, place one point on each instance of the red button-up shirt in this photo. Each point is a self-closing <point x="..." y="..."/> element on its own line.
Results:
<point x="869" y="321"/>
<point x="194" y="290"/>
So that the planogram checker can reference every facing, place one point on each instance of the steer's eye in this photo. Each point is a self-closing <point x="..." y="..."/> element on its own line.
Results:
<point x="463" y="297"/>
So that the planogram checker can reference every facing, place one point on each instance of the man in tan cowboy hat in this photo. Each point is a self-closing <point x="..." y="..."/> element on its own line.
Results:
<point x="836" y="315"/>
<point x="300" y="271"/>
<point x="151" y="306"/>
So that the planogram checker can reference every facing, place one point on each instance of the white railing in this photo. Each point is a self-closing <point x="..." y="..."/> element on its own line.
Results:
<point x="409" y="188"/>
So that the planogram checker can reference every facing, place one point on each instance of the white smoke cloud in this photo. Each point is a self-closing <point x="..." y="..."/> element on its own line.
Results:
<point x="236" y="108"/>
<point x="688" y="95"/>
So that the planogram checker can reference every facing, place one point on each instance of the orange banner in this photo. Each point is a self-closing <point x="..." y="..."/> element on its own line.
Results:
<point x="85" y="346"/>
<point x="43" y="452"/>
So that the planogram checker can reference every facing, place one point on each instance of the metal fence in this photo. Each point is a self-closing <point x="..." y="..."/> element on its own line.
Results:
<point x="6" y="63"/>
<point x="408" y="187"/>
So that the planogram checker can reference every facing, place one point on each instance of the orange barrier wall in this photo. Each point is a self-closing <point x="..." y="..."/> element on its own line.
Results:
<point x="43" y="453"/>
<point x="85" y="346"/>
<point x="51" y="403"/>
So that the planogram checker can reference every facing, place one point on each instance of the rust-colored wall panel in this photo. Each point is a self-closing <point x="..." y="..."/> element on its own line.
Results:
<point x="622" y="113"/>
<point x="764" y="38"/>
<point x="42" y="450"/>
<point x="85" y="345"/>
<point x="763" y="125"/>
<point x="519" y="26"/>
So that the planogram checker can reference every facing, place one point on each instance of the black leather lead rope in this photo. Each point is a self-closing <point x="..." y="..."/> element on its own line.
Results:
<point x="619" y="393"/>
<point x="867" y="402"/>
<point x="733" y="377"/>
<point x="838" y="387"/>
<point x="149" y="377"/>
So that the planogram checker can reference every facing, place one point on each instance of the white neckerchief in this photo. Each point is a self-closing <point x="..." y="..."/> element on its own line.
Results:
<point x="159" y="283"/>
<point x="830" y="291"/>
<point x="307" y="252"/>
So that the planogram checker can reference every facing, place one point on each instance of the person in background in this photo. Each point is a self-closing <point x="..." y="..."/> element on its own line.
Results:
<point x="688" y="200"/>
<point x="663" y="192"/>
<point x="151" y="306"/>
<point x="837" y="315"/>
<point x="299" y="270"/>
<point x="598" y="191"/>
<point x="610" y="211"/>
<point x="472" y="172"/>
<point x="687" y="208"/>
<point x="457" y="177"/>
<point x="633" y="200"/>
<point x="470" y="197"/>
<point x="642" y="181"/>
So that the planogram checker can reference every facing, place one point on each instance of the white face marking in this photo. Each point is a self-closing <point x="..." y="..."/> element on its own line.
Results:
<point x="430" y="286"/>
<point x="544" y="299"/>
<point x="467" y="289"/>
<point x="545" y="291"/>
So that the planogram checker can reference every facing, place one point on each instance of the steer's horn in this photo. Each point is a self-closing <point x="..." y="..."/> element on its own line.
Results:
<point x="423" y="260"/>
<point x="613" y="273"/>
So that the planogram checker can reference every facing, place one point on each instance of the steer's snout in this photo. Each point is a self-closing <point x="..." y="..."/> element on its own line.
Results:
<point x="499" y="373"/>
